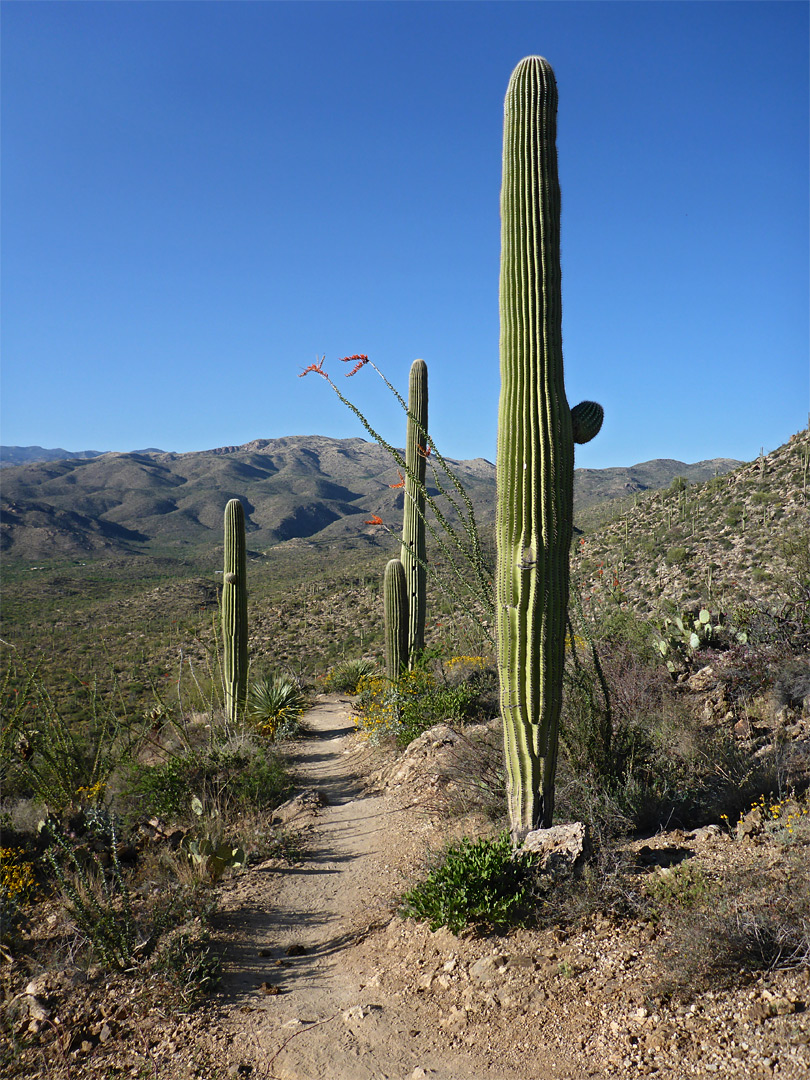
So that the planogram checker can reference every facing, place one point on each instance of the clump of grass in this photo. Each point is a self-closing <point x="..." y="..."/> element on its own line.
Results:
<point x="230" y="779"/>
<point x="345" y="677"/>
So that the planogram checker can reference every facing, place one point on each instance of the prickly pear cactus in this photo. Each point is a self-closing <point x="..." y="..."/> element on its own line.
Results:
<point x="414" y="554"/>
<point x="395" y="607"/>
<point x="536" y="434"/>
<point x="234" y="610"/>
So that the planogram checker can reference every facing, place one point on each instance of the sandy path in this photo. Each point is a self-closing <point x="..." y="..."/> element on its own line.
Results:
<point x="295" y="930"/>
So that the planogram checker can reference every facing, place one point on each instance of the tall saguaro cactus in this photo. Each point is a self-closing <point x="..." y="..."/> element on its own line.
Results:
<point x="395" y="610"/>
<point x="536" y="434"/>
<point x="234" y="610"/>
<point x="413" y="552"/>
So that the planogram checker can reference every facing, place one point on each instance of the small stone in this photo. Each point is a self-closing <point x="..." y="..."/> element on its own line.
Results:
<point x="487" y="969"/>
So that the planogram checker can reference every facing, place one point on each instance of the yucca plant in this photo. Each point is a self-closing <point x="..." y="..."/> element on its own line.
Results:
<point x="274" y="706"/>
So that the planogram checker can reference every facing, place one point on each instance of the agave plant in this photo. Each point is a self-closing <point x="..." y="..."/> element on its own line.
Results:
<point x="274" y="706"/>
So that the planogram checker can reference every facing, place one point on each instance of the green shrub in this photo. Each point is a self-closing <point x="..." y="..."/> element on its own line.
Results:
<point x="676" y="555"/>
<point x="411" y="705"/>
<point x="684" y="886"/>
<point x="477" y="882"/>
<point x="242" y="777"/>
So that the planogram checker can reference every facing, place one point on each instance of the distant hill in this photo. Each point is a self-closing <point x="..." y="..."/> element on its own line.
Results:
<point x="27" y="455"/>
<point x="295" y="488"/>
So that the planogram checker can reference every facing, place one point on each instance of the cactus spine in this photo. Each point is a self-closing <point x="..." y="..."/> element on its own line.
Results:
<point x="234" y="610"/>
<point x="536" y="433"/>
<point x="395" y="607"/>
<point x="413" y="554"/>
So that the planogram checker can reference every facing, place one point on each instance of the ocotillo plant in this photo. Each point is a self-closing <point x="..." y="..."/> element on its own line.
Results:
<point x="395" y="608"/>
<point x="234" y="611"/>
<point x="536" y="434"/>
<point x="414" y="553"/>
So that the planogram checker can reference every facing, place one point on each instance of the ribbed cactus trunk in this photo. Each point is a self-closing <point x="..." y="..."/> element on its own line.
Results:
<point x="536" y="431"/>
<point x="414" y="554"/>
<point x="234" y="611"/>
<point x="395" y="609"/>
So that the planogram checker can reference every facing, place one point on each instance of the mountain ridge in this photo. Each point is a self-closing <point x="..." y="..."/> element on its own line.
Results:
<point x="294" y="487"/>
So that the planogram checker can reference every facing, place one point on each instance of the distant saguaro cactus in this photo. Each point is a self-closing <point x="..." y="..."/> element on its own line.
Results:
<point x="536" y="434"/>
<point x="234" y="610"/>
<point x="395" y="608"/>
<point x="414" y="553"/>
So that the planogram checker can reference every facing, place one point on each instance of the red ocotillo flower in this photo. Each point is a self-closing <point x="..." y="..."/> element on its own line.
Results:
<point x="361" y="359"/>
<point x="425" y="453"/>
<point x="401" y="481"/>
<point x="374" y="520"/>
<point x="314" y="367"/>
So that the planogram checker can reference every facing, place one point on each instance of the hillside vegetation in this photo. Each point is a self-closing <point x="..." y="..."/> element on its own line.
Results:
<point x="732" y="539"/>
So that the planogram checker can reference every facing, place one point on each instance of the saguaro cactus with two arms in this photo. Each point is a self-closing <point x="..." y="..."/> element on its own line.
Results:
<point x="536" y="435"/>
<point x="234" y="610"/>
<point x="414" y="553"/>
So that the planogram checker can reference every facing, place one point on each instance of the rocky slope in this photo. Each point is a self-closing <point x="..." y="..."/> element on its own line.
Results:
<point x="733" y="539"/>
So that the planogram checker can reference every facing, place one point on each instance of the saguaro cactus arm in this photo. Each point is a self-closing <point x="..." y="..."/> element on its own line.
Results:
<point x="536" y="433"/>
<point x="414" y="552"/>
<point x="234" y="610"/>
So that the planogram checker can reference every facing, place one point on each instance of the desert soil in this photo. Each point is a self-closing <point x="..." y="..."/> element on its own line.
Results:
<point x="325" y="980"/>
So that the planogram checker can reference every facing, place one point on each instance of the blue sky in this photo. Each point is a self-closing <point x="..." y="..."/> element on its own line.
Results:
<point x="199" y="198"/>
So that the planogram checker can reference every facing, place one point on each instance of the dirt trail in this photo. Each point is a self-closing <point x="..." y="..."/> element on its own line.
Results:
<point x="297" y="975"/>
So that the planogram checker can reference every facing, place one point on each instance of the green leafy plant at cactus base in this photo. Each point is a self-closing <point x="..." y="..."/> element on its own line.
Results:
<point x="536" y="435"/>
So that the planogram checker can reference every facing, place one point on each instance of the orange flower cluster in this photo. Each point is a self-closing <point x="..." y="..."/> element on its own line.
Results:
<point x="359" y="357"/>
<point x="374" y="521"/>
<point x="401" y="481"/>
<point x="315" y="367"/>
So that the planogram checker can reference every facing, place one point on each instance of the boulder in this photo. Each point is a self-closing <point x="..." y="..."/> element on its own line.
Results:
<point x="561" y="849"/>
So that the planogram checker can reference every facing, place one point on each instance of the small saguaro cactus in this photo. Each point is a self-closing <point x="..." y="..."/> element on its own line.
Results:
<point x="413" y="554"/>
<point x="536" y="435"/>
<point x="234" y="610"/>
<point x="395" y="609"/>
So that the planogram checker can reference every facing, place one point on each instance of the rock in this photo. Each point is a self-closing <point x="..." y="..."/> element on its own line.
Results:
<point x="706" y="833"/>
<point x="40" y="985"/>
<point x="750" y="824"/>
<point x="705" y="679"/>
<point x="488" y="968"/>
<point x="561" y="848"/>
<point x="304" y="802"/>
<point x="34" y="1008"/>
<point x="359" y="1012"/>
